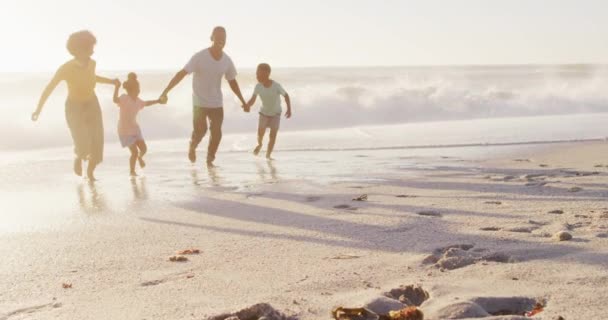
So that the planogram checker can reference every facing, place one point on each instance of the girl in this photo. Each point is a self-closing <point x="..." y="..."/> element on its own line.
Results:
<point x="128" y="129"/>
<point x="82" y="111"/>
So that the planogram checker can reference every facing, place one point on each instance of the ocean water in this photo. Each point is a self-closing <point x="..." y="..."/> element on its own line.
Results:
<point x="350" y="107"/>
<point x="349" y="125"/>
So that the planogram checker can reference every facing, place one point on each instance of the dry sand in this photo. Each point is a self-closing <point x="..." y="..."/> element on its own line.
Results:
<point x="478" y="236"/>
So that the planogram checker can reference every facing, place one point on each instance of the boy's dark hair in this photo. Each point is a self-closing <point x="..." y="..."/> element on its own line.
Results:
<point x="131" y="82"/>
<point x="265" y="67"/>
<point x="80" y="41"/>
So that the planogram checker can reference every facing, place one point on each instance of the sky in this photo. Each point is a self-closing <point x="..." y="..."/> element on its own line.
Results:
<point x="163" y="35"/>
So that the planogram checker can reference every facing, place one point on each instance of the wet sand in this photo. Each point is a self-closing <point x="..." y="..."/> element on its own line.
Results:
<point x="479" y="234"/>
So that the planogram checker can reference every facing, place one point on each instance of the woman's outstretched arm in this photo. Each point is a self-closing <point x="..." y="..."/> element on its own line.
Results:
<point x="50" y="87"/>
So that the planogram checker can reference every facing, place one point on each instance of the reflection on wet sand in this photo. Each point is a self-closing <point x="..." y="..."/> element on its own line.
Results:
<point x="140" y="192"/>
<point x="263" y="172"/>
<point x="94" y="201"/>
<point x="216" y="179"/>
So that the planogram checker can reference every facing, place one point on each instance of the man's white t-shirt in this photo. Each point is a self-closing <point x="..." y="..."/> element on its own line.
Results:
<point x="207" y="78"/>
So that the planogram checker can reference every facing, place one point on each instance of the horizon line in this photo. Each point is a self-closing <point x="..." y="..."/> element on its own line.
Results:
<point x="504" y="65"/>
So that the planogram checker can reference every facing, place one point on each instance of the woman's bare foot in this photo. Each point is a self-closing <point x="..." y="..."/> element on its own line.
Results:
<point x="91" y="170"/>
<point x="133" y="174"/>
<point x="78" y="167"/>
<point x="257" y="149"/>
<point x="142" y="163"/>
<point x="268" y="157"/>
<point x="210" y="165"/>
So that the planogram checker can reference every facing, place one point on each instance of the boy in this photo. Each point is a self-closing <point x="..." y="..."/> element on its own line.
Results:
<point x="270" y="92"/>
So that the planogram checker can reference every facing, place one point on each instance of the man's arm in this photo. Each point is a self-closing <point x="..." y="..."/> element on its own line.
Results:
<point x="250" y="103"/>
<point x="179" y="76"/>
<point x="237" y="91"/>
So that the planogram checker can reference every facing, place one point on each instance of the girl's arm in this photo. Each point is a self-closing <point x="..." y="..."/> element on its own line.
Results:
<point x="116" y="88"/>
<point x="288" y="103"/>
<point x="151" y="102"/>
<point x="50" y="87"/>
<point x="104" y="80"/>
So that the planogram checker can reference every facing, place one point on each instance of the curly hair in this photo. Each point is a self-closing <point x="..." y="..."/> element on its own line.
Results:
<point x="131" y="82"/>
<point x="80" y="41"/>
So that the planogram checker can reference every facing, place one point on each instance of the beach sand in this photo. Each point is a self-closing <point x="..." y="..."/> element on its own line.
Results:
<point x="477" y="234"/>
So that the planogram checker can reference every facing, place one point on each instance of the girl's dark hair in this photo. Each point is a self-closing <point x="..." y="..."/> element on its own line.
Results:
<point x="80" y="41"/>
<point x="131" y="82"/>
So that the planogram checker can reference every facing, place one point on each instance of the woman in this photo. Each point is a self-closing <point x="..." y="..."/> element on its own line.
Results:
<point x="82" y="111"/>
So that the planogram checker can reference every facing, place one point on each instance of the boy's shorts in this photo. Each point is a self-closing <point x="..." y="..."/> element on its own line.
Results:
<point x="272" y="122"/>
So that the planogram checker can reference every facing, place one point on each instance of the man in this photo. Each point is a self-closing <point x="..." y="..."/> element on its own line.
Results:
<point x="208" y="67"/>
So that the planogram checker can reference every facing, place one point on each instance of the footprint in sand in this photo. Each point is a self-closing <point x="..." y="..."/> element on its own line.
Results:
<point x="575" y="189"/>
<point x="482" y="307"/>
<point x="345" y="207"/>
<point x="409" y="295"/>
<point x="462" y="255"/>
<point x="312" y="199"/>
<point x="490" y="229"/>
<point x="557" y="211"/>
<point x="430" y="214"/>
<point x="406" y="196"/>
<point x="521" y="229"/>
<point x="31" y="310"/>
<point x="258" y="311"/>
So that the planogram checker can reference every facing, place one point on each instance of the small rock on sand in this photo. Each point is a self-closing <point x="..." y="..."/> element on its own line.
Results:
<point x="575" y="189"/>
<point x="178" y="259"/>
<point x="556" y="212"/>
<point x="493" y="202"/>
<point x="562" y="236"/>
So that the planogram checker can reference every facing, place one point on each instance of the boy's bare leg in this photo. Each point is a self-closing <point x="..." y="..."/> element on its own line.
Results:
<point x="261" y="133"/>
<point x="273" y="139"/>
<point x="133" y="159"/>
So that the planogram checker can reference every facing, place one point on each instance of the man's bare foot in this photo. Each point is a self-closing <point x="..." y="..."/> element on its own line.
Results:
<point x="268" y="157"/>
<point x="78" y="167"/>
<point x="142" y="163"/>
<point x="133" y="174"/>
<point x="192" y="154"/>
<point x="210" y="165"/>
<point x="257" y="149"/>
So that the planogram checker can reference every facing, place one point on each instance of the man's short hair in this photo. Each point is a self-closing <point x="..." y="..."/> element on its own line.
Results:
<point x="80" y="41"/>
<point x="216" y="30"/>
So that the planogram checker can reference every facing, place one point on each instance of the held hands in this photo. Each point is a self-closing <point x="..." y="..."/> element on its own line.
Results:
<point x="116" y="82"/>
<point x="246" y="107"/>
<point x="163" y="99"/>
